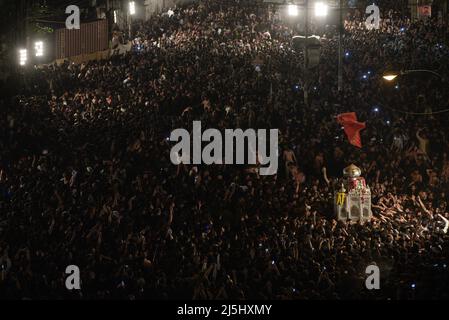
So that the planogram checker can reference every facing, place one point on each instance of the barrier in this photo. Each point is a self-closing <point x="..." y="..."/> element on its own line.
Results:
<point x="96" y="56"/>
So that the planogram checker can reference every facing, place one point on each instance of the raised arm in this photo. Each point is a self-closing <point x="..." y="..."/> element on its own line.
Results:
<point x="324" y="170"/>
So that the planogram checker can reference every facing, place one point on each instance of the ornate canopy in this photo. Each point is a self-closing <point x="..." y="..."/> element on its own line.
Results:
<point x="352" y="171"/>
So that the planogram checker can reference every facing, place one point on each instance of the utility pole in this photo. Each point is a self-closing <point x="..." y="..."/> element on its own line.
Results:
<point x="20" y="35"/>
<point x="341" y="28"/>
<point x="128" y="12"/>
<point x="130" y="18"/>
<point x="306" y="54"/>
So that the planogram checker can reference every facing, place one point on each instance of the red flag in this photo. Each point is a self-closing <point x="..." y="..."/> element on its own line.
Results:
<point x="352" y="127"/>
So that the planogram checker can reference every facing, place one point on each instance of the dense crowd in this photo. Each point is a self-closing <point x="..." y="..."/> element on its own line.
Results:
<point x="86" y="177"/>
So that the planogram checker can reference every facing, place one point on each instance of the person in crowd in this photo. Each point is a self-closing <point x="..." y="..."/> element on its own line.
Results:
<point x="86" y="177"/>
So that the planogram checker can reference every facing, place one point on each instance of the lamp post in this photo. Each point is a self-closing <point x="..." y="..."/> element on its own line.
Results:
<point x="131" y="12"/>
<point x="391" y="75"/>
<point x="321" y="10"/>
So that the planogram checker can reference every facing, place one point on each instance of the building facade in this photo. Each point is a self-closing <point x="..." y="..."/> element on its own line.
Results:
<point x="422" y="9"/>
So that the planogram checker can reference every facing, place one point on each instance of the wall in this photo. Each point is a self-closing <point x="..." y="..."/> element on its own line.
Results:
<point x="92" y="37"/>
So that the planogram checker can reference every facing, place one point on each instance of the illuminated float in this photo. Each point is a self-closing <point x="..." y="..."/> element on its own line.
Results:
<point x="353" y="200"/>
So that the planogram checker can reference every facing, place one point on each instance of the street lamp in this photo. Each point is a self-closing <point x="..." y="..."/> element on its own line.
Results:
<point x="292" y="10"/>
<point x="132" y="8"/>
<point x="39" y="48"/>
<point x="321" y="9"/>
<point x="391" y="75"/>
<point x="23" y="57"/>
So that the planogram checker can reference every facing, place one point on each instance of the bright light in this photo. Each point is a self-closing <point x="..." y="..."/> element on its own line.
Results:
<point x="115" y="16"/>
<point x="390" y="77"/>
<point x="132" y="8"/>
<point x="321" y="9"/>
<point x="39" y="48"/>
<point x="292" y="10"/>
<point x="23" y="57"/>
<point x="376" y="109"/>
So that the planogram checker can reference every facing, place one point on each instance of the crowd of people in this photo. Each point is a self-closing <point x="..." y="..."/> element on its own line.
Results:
<point x="86" y="177"/>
